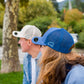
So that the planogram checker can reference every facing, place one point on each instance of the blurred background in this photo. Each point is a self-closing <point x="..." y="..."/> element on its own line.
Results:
<point x="67" y="14"/>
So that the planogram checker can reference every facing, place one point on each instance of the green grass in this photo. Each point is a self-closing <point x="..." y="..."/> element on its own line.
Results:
<point x="0" y="64"/>
<point x="11" y="78"/>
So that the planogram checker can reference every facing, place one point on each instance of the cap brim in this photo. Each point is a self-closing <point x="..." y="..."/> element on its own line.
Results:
<point x="39" y="41"/>
<point x="17" y="34"/>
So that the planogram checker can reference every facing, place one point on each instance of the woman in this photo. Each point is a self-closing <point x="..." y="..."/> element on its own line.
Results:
<point x="59" y="65"/>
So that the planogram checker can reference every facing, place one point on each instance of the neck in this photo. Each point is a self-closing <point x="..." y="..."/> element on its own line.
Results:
<point x="34" y="53"/>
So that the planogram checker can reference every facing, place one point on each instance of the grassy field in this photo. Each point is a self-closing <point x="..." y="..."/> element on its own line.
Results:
<point x="11" y="78"/>
<point x="0" y="64"/>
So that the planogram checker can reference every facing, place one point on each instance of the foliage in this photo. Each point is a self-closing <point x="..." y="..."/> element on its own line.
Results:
<point x="54" y="24"/>
<point x="24" y="2"/>
<point x="78" y="4"/>
<point x="30" y="10"/>
<point x="66" y="5"/>
<point x="79" y="26"/>
<point x="61" y="15"/>
<point x="82" y="6"/>
<point x="34" y="9"/>
<point x="79" y="45"/>
<point x="83" y="15"/>
<point x="58" y="24"/>
<point x="56" y="6"/>
<point x="73" y="15"/>
<point x="81" y="37"/>
<point x="2" y="2"/>
<point x="41" y="22"/>
<point x="1" y="14"/>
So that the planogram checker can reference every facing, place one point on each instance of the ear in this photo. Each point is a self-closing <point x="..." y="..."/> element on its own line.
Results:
<point x="29" y="42"/>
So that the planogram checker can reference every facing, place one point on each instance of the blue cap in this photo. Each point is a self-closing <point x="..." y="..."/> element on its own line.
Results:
<point x="56" y="38"/>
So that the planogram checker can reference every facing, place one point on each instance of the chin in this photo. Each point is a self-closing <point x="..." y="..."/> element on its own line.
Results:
<point x="23" y="51"/>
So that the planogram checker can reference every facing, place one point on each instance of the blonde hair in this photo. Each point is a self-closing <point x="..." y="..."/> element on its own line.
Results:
<point x="52" y="63"/>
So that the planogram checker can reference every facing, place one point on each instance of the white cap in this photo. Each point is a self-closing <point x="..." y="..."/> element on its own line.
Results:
<point x="28" y="32"/>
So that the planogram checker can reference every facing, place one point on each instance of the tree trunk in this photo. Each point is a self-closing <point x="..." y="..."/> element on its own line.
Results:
<point x="10" y="59"/>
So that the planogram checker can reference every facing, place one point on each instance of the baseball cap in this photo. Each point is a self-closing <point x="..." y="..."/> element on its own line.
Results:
<point x="56" y="38"/>
<point x="28" y="31"/>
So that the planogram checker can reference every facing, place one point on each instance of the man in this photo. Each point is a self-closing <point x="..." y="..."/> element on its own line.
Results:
<point x="30" y="67"/>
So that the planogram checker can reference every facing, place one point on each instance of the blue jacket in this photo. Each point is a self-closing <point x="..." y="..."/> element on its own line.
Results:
<point x="27" y="76"/>
<point x="75" y="75"/>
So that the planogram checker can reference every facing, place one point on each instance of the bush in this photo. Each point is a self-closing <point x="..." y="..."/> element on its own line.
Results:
<point x="1" y="14"/>
<point x="79" y="27"/>
<point x="41" y="22"/>
<point x="83" y="15"/>
<point x="35" y="9"/>
<point x="80" y="45"/>
<point x="73" y="15"/>
<point x="58" y="24"/>
<point x="81" y="37"/>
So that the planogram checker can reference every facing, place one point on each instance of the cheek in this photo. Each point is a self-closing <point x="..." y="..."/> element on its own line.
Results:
<point x="24" y="44"/>
<point x="25" y="47"/>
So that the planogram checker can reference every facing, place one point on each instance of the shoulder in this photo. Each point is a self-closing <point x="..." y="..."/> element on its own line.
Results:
<point x="75" y="75"/>
<point x="77" y="70"/>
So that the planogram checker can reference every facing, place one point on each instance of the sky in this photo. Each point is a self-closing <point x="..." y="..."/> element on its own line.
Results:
<point x="60" y="0"/>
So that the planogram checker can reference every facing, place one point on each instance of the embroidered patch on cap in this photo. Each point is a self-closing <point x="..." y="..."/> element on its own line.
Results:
<point x="51" y="44"/>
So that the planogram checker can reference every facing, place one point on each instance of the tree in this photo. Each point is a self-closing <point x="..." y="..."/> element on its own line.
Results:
<point x="2" y="1"/>
<point x="78" y="4"/>
<point x="72" y="16"/>
<point x="10" y="60"/>
<point x="55" y="4"/>
<point x="24" y="2"/>
<point x="35" y="9"/>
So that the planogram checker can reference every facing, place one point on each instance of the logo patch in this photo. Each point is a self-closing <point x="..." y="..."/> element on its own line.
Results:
<point x="51" y="44"/>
